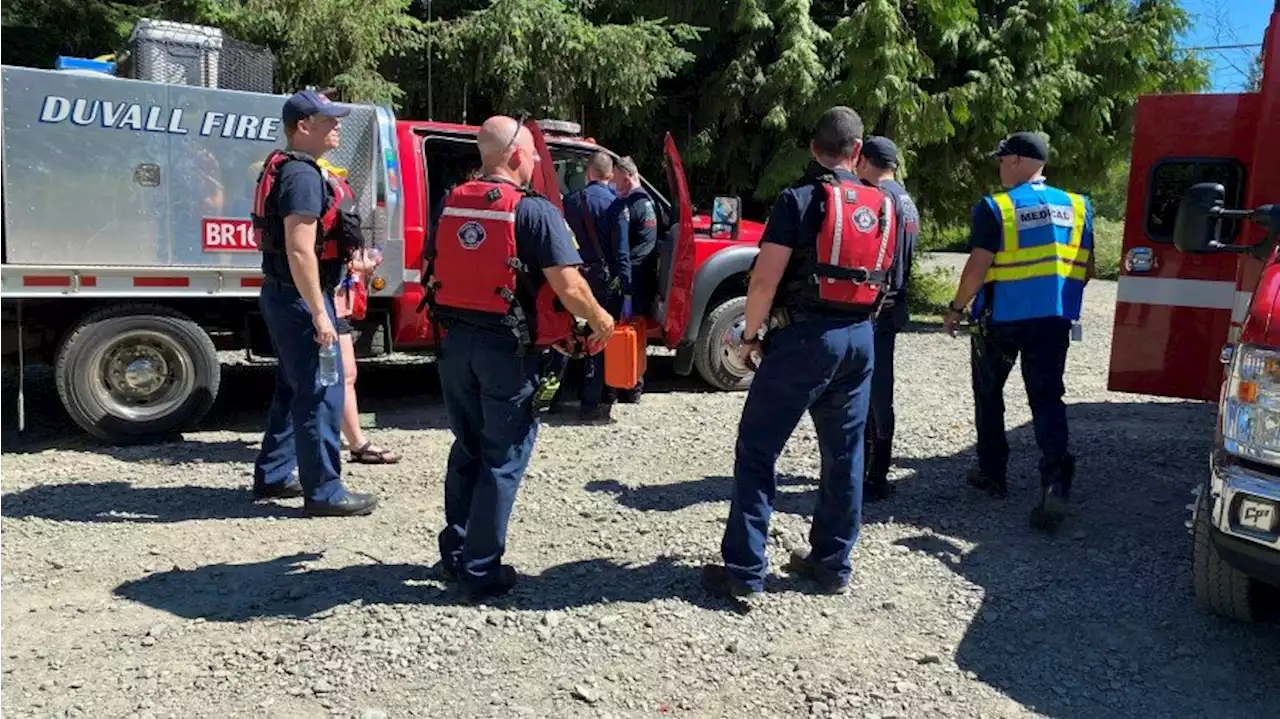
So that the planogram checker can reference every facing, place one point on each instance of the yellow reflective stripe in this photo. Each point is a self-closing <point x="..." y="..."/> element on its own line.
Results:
<point x="1047" y="268"/>
<point x="1077" y="218"/>
<point x="1042" y="252"/>
<point x="1009" y="219"/>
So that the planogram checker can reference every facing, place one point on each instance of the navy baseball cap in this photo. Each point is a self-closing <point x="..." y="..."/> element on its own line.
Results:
<point x="881" y="150"/>
<point x="306" y="103"/>
<point x="1023" y="144"/>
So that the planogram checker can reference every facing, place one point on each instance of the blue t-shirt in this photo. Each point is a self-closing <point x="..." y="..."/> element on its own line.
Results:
<point x="985" y="230"/>
<point x="543" y="240"/>
<point x="299" y="190"/>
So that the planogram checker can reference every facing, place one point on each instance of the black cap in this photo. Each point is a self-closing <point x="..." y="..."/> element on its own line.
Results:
<point x="881" y="151"/>
<point x="306" y="103"/>
<point x="1023" y="144"/>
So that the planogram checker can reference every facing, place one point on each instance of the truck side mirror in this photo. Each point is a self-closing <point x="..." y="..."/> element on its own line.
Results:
<point x="725" y="215"/>
<point x="1195" y="227"/>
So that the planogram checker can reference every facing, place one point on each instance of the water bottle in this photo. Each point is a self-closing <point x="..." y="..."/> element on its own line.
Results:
<point x="1077" y="331"/>
<point x="329" y="364"/>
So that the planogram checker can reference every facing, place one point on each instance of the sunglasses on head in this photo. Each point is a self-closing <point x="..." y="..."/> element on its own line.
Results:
<point x="519" y="124"/>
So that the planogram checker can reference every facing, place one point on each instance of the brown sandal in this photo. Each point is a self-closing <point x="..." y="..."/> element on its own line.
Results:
<point x="368" y="455"/>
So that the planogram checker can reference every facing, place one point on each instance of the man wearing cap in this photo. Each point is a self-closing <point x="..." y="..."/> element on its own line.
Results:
<point x="300" y="274"/>
<point x="1030" y="256"/>
<point x="876" y="167"/>
<point x="634" y="223"/>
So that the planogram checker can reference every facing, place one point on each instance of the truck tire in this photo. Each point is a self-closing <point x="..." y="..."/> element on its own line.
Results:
<point x="1220" y="588"/>
<point x="716" y="361"/>
<point x="133" y="373"/>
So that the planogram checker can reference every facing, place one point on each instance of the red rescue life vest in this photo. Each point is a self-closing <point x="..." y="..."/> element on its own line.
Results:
<point x="330" y="228"/>
<point x="848" y="267"/>
<point x="473" y="265"/>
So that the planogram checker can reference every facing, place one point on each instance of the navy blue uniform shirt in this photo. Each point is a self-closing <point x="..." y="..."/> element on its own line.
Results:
<point x="599" y="198"/>
<point x="634" y="224"/>
<point x="542" y="240"/>
<point x="985" y="230"/>
<point x="907" y="230"/>
<point x="299" y="190"/>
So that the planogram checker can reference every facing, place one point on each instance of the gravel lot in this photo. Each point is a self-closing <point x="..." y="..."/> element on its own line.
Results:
<point x="143" y="582"/>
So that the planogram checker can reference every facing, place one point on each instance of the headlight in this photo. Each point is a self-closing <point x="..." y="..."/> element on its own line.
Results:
<point x="1251" y="405"/>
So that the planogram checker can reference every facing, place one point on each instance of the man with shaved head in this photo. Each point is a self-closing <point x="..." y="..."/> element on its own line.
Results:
<point x="606" y="260"/>
<point x="496" y="261"/>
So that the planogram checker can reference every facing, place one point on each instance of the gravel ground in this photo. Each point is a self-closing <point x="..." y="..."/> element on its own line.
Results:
<point x="143" y="582"/>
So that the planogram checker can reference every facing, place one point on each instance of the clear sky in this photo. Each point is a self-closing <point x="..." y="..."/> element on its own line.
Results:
<point x="1227" y="22"/>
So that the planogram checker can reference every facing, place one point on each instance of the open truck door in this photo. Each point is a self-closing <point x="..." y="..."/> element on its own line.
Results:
<point x="677" y="265"/>
<point x="1174" y="311"/>
<point x="544" y="181"/>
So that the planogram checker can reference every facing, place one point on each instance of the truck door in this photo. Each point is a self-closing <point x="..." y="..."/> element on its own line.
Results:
<point x="545" y="181"/>
<point x="1173" y="310"/>
<point x="678" y="268"/>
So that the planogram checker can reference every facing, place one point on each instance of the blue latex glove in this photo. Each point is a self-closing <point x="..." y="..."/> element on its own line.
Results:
<point x="626" y="308"/>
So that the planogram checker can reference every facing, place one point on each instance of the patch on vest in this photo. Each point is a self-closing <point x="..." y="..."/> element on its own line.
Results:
<point x="493" y="195"/>
<point x="864" y="219"/>
<point x="850" y="196"/>
<point x="470" y="235"/>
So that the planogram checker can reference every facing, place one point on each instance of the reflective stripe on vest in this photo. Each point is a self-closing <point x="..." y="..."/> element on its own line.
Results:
<point x="1042" y="264"/>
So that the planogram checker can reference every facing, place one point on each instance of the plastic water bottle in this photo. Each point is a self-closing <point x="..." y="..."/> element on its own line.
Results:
<point x="329" y="364"/>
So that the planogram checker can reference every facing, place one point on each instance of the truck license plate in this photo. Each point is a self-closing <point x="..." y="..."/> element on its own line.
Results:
<point x="1257" y="515"/>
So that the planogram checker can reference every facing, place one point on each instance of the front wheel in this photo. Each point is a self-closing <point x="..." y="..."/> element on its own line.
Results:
<point x="1219" y="587"/>
<point x="134" y="373"/>
<point x="715" y="358"/>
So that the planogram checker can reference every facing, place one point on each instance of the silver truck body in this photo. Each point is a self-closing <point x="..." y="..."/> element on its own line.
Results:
<point x="115" y="187"/>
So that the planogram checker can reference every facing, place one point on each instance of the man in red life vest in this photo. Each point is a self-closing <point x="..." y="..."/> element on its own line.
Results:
<point x="502" y="270"/>
<point x="824" y="263"/>
<point x="304" y="228"/>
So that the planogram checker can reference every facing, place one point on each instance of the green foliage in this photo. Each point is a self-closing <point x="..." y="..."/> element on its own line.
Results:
<point x="1108" y="236"/>
<point x="330" y="43"/>
<point x="739" y="82"/>
<point x="930" y="291"/>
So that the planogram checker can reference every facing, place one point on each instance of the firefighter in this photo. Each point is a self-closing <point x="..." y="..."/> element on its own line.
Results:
<point x="497" y="312"/>
<point x="876" y="166"/>
<point x="302" y="220"/>
<point x="1030" y="256"/>
<point x="816" y="283"/>
<point x="634" y="218"/>
<point x="606" y="266"/>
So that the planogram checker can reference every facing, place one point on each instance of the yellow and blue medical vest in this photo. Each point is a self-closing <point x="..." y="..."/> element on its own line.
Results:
<point x="1047" y="238"/>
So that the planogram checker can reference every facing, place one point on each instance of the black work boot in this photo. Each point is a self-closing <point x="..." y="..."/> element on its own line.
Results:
<point x="600" y="414"/>
<point x="719" y="581"/>
<point x="876" y="485"/>
<point x="828" y="581"/>
<point x="288" y="489"/>
<point x="1052" y="508"/>
<point x="996" y="487"/>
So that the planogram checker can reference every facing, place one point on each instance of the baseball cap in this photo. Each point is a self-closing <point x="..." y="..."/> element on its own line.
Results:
<point x="1023" y="144"/>
<point x="306" y="103"/>
<point x="628" y="165"/>
<point x="881" y="150"/>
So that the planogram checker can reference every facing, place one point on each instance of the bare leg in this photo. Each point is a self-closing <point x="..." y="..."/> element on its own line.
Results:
<point x="350" y="412"/>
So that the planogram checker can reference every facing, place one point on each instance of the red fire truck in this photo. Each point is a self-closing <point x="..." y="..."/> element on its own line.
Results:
<point x="128" y="260"/>
<point x="1198" y="291"/>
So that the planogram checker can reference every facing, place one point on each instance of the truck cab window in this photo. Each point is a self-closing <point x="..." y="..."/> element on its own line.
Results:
<point x="1170" y="179"/>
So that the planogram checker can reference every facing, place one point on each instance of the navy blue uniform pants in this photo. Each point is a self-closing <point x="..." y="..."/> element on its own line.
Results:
<point x="593" y="390"/>
<point x="488" y="397"/>
<point x="880" y="427"/>
<point x="822" y="366"/>
<point x="304" y="422"/>
<point x="1043" y="344"/>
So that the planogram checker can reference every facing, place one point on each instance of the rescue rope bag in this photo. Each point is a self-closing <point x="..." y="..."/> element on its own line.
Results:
<point x="848" y="268"/>
<point x="472" y="265"/>
<point x="339" y="233"/>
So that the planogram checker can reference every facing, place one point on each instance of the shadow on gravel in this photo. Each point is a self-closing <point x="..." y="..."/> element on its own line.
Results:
<point x="1097" y="620"/>
<point x="285" y="587"/>
<point x="111" y="502"/>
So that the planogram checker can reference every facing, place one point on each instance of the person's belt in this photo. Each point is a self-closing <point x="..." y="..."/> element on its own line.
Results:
<point x="782" y="317"/>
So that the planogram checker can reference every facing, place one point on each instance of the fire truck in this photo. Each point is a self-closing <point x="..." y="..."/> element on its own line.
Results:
<point x="1198" y="291"/>
<point x="129" y="261"/>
